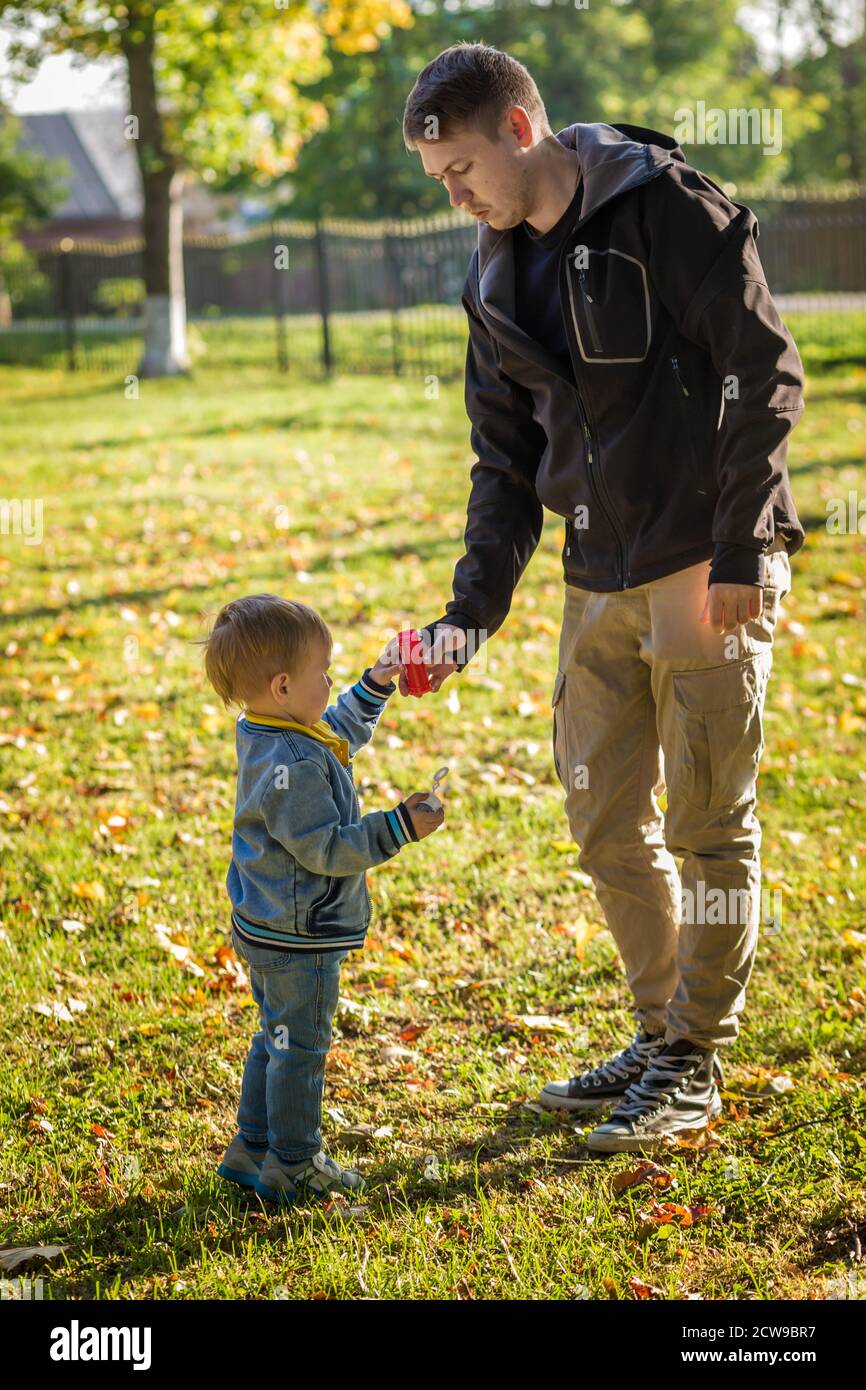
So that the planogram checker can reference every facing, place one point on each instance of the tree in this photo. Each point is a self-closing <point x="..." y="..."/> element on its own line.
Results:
<point x="30" y="187"/>
<point x="214" y="88"/>
<point x="619" y="62"/>
<point x="831" y="63"/>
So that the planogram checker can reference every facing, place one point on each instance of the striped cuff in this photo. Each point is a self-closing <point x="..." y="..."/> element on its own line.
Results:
<point x="371" y="691"/>
<point x="400" y="825"/>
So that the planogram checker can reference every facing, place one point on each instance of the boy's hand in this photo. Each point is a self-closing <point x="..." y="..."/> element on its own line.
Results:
<point x="423" y="822"/>
<point x="387" y="666"/>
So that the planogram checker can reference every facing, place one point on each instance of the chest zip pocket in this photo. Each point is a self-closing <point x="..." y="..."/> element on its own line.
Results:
<point x="610" y="306"/>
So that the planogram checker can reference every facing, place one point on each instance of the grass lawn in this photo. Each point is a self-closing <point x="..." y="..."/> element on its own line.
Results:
<point x="125" y="1019"/>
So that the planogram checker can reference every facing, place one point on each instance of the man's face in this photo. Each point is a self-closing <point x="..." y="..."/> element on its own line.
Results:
<point x="489" y="179"/>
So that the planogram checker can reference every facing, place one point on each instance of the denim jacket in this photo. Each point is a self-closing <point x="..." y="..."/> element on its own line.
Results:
<point x="300" y="846"/>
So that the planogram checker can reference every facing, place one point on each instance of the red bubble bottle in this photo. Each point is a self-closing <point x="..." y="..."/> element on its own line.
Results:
<point x="411" y="650"/>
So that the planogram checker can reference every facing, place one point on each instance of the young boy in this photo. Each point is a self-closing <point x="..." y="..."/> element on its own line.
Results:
<point x="297" y="883"/>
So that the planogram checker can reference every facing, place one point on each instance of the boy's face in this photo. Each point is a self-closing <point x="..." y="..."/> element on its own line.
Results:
<point x="302" y="696"/>
<point x="307" y="692"/>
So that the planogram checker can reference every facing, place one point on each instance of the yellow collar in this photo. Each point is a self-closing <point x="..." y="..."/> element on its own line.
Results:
<point x="321" y="731"/>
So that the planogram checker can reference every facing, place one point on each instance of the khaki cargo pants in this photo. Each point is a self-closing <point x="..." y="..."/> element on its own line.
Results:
<point x="646" y="696"/>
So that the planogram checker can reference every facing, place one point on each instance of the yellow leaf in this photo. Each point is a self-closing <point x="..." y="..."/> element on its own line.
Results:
<point x="92" y="890"/>
<point x="584" y="931"/>
<point x="855" y="939"/>
<point x="148" y="710"/>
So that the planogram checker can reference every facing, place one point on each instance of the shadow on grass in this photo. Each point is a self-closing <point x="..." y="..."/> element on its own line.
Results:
<point x="112" y="1239"/>
<point x="203" y="431"/>
<point x="813" y="465"/>
<point x="101" y="601"/>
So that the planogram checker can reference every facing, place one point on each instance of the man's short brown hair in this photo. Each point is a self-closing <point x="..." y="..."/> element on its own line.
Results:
<point x="469" y="85"/>
<point x="257" y="638"/>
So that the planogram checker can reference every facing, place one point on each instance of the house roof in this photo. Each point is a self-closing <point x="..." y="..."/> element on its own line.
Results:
<point x="103" y="178"/>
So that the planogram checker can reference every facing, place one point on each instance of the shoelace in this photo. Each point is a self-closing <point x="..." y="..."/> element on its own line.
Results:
<point x="322" y="1173"/>
<point x="641" y="1096"/>
<point x="624" y="1062"/>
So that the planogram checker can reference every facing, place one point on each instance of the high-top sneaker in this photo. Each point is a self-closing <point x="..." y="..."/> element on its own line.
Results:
<point x="319" y="1176"/>
<point x="606" y="1083"/>
<point x="677" y="1092"/>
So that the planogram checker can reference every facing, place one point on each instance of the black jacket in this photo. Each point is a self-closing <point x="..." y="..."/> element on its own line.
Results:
<point x="668" y="447"/>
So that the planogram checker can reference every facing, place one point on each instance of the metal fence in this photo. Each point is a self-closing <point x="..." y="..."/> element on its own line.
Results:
<point x="335" y="295"/>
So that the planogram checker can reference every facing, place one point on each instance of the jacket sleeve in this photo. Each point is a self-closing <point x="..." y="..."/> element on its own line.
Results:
<point x="355" y="714"/>
<point x="300" y="814"/>
<point x="705" y="266"/>
<point x="504" y="516"/>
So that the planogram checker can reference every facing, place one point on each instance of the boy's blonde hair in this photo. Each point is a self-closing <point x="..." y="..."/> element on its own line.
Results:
<point x="257" y="638"/>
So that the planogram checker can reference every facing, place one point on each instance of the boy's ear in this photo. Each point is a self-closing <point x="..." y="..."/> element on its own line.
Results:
<point x="279" y="685"/>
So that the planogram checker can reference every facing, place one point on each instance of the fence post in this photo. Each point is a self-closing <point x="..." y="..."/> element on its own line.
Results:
<point x="279" y="305"/>
<point x="324" y="301"/>
<point x="67" y="307"/>
<point x="392" y="292"/>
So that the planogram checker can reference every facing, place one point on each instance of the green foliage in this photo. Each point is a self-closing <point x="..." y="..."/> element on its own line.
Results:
<point x="638" y="63"/>
<point x="120" y="295"/>
<point x="230" y="78"/>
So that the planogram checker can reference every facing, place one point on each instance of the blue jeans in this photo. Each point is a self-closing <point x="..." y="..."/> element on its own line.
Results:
<point x="281" y="1091"/>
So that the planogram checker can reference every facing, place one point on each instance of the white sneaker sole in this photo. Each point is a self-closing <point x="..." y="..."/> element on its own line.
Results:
<point x="645" y="1143"/>
<point x="564" y="1103"/>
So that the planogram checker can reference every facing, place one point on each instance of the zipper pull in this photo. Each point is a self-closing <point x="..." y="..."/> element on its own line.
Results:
<point x="675" y="363"/>
<point x="583" y="286"/>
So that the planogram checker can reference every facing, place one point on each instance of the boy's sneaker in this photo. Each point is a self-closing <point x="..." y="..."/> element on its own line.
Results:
<point x="318" y="1176"/>
<point x="606" y="1083"/>
<point x="677" y="1092"/>
<point x="241" y="1162"/>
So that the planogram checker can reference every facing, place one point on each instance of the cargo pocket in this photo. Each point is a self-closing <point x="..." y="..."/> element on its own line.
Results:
<point x="558" y="760"/>
<point x="719" y="732"/>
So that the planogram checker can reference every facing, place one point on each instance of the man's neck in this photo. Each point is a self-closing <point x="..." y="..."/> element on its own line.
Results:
<point x="557" y="178"/>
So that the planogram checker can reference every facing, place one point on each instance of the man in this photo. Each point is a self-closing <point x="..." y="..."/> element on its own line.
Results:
<point x="627" y="368"/>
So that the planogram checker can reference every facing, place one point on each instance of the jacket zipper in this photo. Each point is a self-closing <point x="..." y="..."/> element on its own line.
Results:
<point x="594" y="489"/>
<point x="675" y="363"/>
<point x="593" y="331"/>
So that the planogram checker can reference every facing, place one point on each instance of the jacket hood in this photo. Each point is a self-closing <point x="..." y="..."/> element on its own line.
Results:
<point x="613" y="159"/>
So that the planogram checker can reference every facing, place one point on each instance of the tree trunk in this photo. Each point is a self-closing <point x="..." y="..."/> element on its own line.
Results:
<point x="165" y="348"/>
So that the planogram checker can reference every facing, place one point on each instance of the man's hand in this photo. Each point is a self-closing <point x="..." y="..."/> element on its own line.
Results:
<point x="729" y="606"/>
<point x="441" y="658"/>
